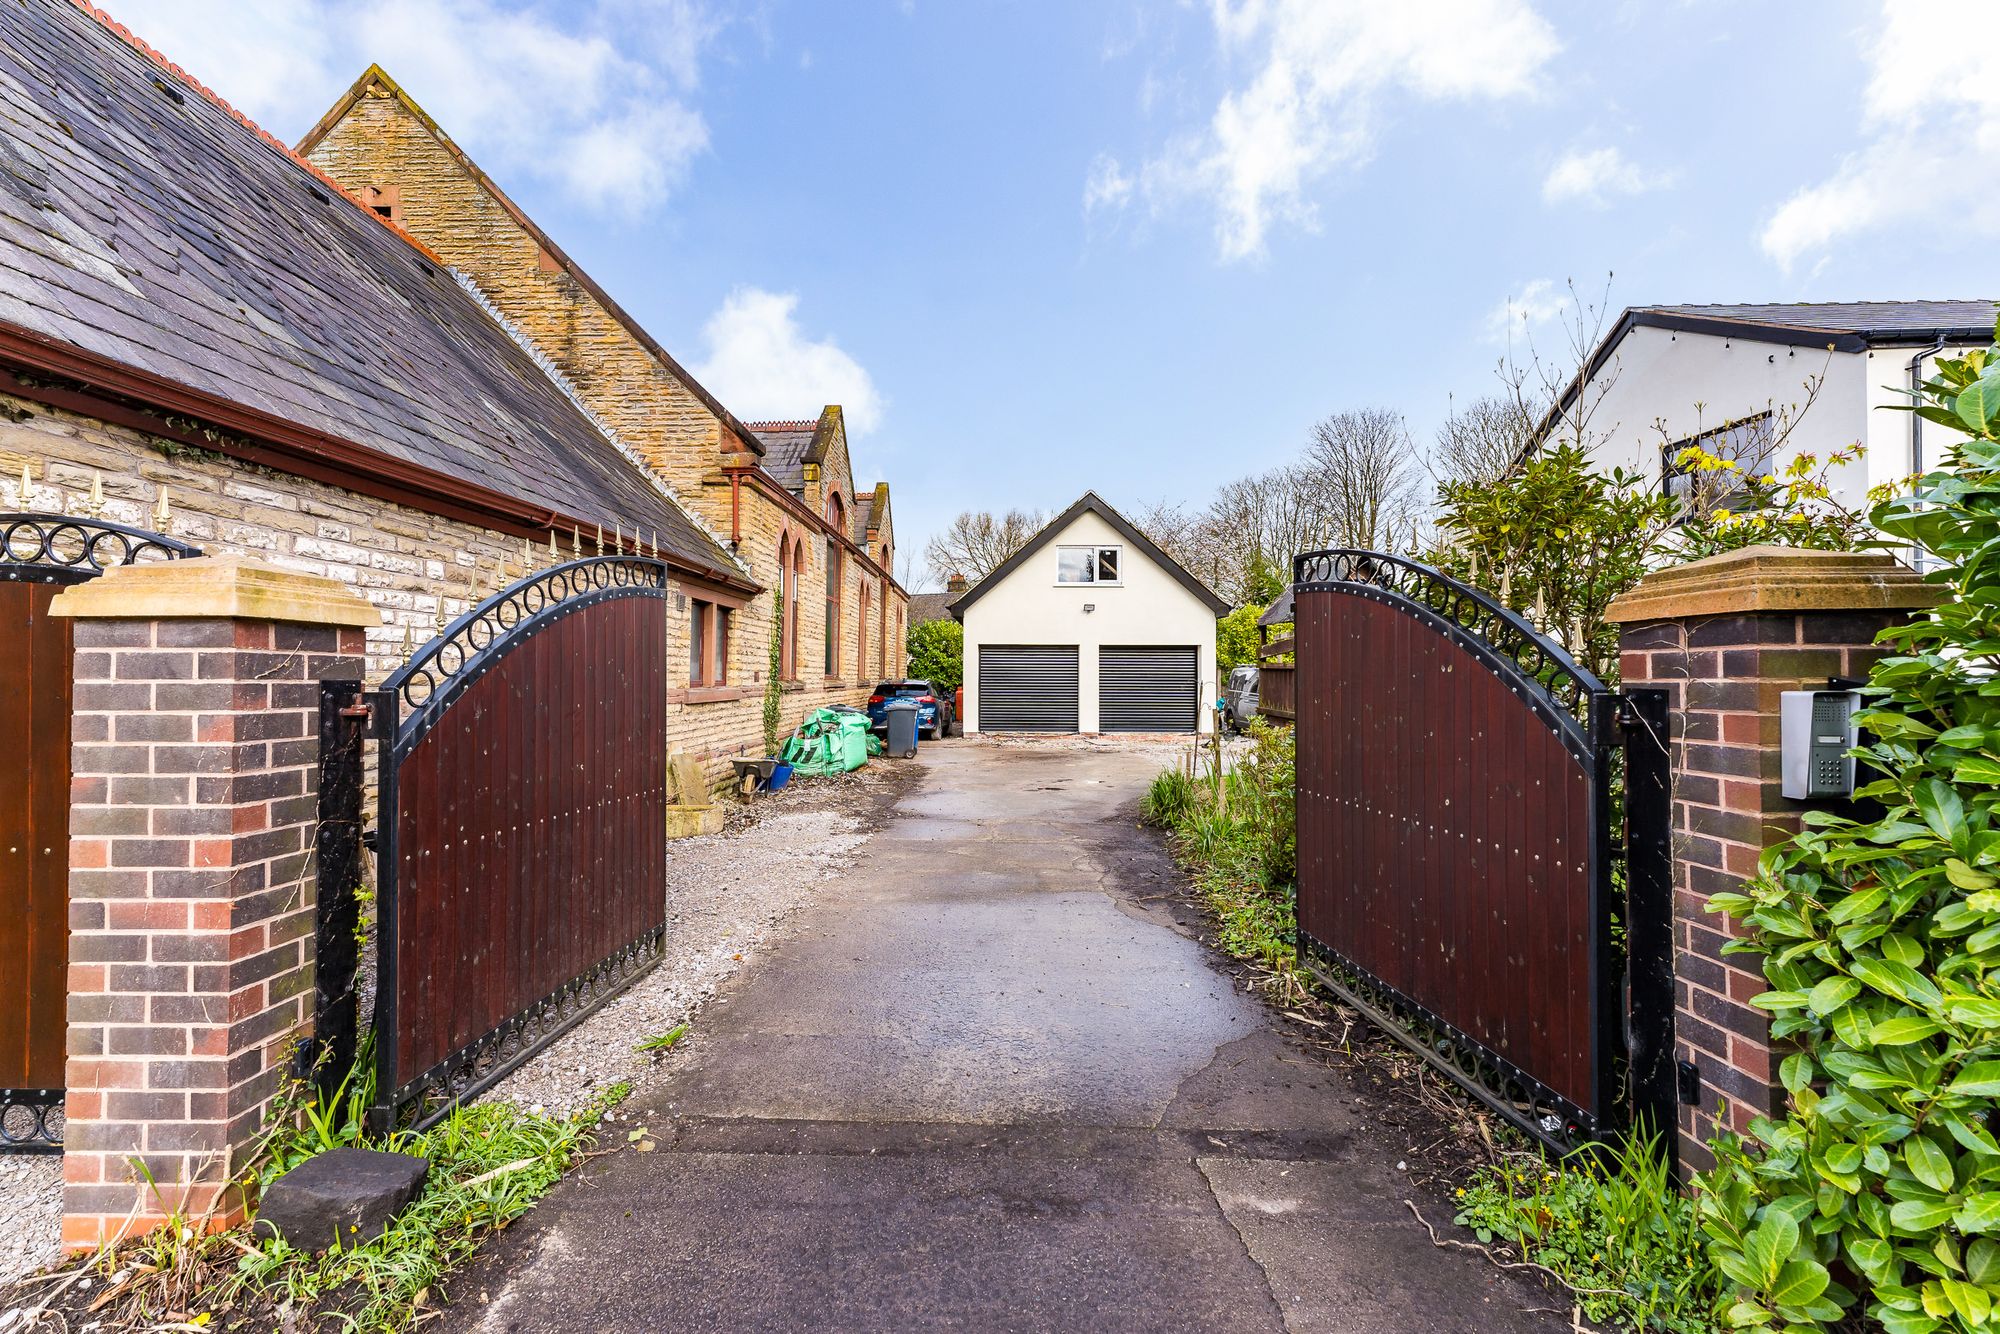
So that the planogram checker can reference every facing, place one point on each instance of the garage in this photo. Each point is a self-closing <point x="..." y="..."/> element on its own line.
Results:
<point x="1028" y="687"/>
<point x="1088" y="628"/>
<point x="1147" y="688"/>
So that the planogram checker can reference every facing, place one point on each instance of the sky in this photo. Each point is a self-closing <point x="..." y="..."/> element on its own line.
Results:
<point x="1050" y="245"/>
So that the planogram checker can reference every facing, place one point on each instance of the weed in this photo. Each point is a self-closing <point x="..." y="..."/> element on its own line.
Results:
<point x="1614" y="1228"/>
<point x="1236" y="836"/>
<point x="666" y="1041"/>
<point x="489" y="1164"/>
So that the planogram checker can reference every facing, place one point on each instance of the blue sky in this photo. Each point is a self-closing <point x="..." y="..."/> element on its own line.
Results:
<point x="1142" y="247"/>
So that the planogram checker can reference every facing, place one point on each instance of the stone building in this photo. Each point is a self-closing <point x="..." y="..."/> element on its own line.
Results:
<point x="782" y="494"/>
<point x="201" y="334"/>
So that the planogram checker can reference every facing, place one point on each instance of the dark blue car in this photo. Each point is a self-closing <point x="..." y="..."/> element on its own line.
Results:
<point x="933" y="710"/>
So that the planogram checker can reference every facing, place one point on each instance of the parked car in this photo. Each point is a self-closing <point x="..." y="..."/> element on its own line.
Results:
<point x="934" y="713"/>
<point x="1239" y="697"/>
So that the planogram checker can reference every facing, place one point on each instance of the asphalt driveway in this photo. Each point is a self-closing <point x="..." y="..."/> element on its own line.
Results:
<point x="988" y="1083"/>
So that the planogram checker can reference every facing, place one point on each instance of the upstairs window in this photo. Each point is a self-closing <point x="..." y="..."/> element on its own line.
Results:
<point x="1747" y="447"/>
<point x="1088" y="565"/>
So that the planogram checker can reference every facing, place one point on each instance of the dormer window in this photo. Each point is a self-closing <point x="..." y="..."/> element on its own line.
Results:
<point x="1088" y="565"/>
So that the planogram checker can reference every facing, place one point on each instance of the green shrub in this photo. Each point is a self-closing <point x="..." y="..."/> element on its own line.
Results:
<point x="1881" y="942"/>
<point x="937" y="653"/>
<point x="1236" y="639"/>
<point x="1615" y="1229"/>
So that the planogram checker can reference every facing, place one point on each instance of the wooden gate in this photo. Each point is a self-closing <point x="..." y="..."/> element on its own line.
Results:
<point x="40" y="554"/>
<point x="1460" y="874"/>
<point x="521" y="835"/>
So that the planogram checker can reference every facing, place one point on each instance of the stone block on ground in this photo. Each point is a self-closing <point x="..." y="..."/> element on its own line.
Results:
<point x="692" y="821"/>
<point x="347" y="1195"/>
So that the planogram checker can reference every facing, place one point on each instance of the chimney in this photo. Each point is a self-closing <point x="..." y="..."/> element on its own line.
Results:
<point x="956" y="584"/>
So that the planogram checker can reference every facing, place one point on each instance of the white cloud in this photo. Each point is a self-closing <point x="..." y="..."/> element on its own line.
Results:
<point x="1540" y="302"/>
<point x="1932" y="126"/>
<point x="1107" y="186"/>
<point x="596" y="96"/>
<point x="1317" y="72"/>
<point x="763" y="366"/>
<point x="1594" y="176"/>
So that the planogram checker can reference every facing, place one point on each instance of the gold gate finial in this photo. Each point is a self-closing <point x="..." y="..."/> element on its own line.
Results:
<point x="96" y="493"/>
<point x="600" y="539"/>
<point x="27" y="484"/>
<point x="161" y="512"/>
<point x="618" y="536"/>
<point x="575" y="542"/>
<point x="409" y="642"/>
<point x="554" y="555"/>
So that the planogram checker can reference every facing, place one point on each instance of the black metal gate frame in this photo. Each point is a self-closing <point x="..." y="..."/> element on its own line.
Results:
<point x="1631" y="1016"/>
<point x="38" y="548"/>
<point x="435" y="676"/>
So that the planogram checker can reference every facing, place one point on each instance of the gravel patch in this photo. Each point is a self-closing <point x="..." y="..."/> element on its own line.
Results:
<point x="30" y="1213"/>
<point x="729" y="894"/>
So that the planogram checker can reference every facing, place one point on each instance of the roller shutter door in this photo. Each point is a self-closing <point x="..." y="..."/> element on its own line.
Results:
<point x="1027" y="688"/>
<point x="1146" y="689"/>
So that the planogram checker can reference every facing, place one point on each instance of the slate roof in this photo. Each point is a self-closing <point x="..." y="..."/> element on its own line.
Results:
<point x="930" y="607"/>
<point x="144" y="221"/>
<point x="864" y="512"/>
<point x="785" y="447"/>
<point x="1869" y="319"/>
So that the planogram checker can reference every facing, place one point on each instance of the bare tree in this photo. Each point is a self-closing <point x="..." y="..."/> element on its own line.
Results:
<point x="1481" y="441"/>
<point x="977" y="543"/>
<point x="1561" y="393"/>
<point x="1364" y="470"/>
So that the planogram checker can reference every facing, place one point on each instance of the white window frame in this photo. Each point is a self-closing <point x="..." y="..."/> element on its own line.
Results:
<point x="1096" y="550"/>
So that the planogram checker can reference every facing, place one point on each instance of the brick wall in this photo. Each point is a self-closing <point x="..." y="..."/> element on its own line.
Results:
<point x="191" y="903"/>
<point x="1724" y="676"/>
<point x="1726" y="637"/>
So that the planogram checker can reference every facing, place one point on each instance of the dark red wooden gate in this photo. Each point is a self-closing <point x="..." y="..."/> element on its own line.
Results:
<point x="40" y="554"/>
<point x="1457" y="856"/>
<point x="521" y="844"/>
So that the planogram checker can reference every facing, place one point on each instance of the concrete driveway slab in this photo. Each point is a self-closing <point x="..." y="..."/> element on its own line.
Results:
<point x="988" y="1083"/>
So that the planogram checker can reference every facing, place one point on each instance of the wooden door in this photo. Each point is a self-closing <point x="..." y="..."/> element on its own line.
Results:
<point x="34" y="836"/>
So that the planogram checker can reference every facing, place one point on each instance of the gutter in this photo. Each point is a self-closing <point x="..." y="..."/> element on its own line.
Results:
<point x="1916" y="370"/>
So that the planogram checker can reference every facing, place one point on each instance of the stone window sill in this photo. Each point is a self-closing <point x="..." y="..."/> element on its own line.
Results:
<point x="712" y="694"/>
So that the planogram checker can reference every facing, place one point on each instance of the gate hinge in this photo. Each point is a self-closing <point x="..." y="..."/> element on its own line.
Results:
<point x="360" y="711"/>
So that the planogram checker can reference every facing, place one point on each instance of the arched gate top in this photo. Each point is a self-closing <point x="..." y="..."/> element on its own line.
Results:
<point x="468" y="647"/>
<point x="1499" y="636"/>
<point x="67" y="549"/>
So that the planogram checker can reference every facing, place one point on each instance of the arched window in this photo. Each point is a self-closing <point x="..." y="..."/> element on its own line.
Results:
<point x="798" y="588"/>
<point x="835" y="580"/>
<point x="836" y="512"/>
<point x="791" y="564"/>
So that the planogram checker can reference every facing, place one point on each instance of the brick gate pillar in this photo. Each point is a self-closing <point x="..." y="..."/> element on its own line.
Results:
<point x="1725" y="637"/>
<point x="194" y="741"/>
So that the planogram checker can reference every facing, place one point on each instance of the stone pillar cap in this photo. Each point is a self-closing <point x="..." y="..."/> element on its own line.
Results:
<point x="1775" y="579"/>
<point x="236" y="588"/>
